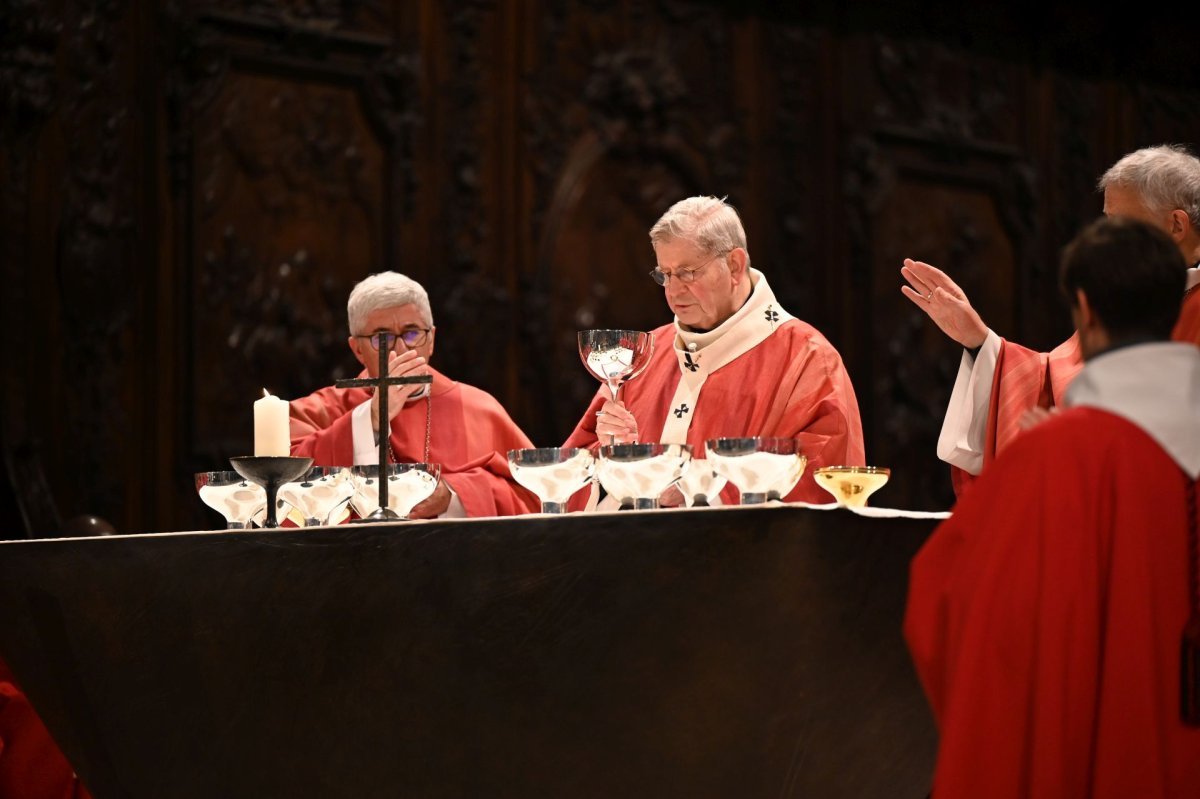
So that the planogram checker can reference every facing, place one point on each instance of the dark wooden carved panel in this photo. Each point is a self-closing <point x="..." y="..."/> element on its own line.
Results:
<point x="930" y="182"/>
<point x="29" y="39"/>
<point x="288" y="213"/>
<point x="618" y="130"/>
<point x="190" y="188"/>
<point x="309" y="17"/>
<point x="471" y="205"/>
<point x="70" y="128"/>
<point x="292" y="177"/>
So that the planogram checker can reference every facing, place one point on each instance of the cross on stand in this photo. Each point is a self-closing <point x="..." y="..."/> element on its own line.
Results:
<point x="383" y="513"/>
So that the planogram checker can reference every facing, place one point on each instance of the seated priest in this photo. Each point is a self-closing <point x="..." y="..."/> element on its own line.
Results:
<point x="1048" y="615"/>
<point x="732" y="363"/>
<point x="999" y="382"/>
<point x="460" y="427"/>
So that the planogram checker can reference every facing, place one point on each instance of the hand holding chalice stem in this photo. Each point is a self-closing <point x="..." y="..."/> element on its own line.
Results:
<point x="614" y="356"/>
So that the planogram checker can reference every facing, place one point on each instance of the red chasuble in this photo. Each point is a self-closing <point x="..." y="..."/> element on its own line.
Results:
<point x="1025" y="379"/>
<point x="31" y="765"/>
<point x="470" y="436"/>
<point x="793" y="384"/>
<point x="1045" y="616"/>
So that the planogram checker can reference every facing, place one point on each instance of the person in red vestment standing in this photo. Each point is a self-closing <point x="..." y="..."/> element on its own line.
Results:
<point x="733" y="363"/>
<point x="1000" y="382"/>
<point x="1046" y="616"/>
<point x="460" y="427"/>
<point x="31" y="764"/>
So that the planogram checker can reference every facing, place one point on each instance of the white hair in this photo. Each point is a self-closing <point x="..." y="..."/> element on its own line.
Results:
<point x="1166" y="177"/>
<point x="708" y="222"/>
<point x="385" y="290"/>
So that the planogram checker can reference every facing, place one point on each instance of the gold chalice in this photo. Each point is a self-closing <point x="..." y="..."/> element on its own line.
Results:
<point x="851" y="485"/>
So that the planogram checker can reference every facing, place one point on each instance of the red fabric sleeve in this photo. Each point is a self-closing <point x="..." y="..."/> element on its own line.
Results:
<point x="31" y="764"/>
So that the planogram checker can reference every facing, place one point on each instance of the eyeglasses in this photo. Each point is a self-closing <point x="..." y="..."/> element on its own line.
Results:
<point x="684" y="276"/>
<point x="412" y="337"/>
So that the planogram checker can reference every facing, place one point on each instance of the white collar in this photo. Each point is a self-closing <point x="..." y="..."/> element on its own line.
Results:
<point x="761" y="300"/>
<point x="1156" y="386"/>
<point x="1193" y="278"/>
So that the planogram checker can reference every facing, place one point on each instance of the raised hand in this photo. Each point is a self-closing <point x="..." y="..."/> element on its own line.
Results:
<point x="932" y="290"/>
<point x="405" y="364"/>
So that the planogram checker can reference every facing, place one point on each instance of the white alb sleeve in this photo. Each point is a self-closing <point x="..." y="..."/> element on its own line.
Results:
<point x="964" y="429"/>
<point x="366" y="451"/>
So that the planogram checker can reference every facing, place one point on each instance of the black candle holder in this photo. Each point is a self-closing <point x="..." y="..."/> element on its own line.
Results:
<point x="270" y="472"/>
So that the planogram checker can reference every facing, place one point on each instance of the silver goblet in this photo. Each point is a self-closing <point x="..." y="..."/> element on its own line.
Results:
<point x="241" y="502"/>
<point x="614" y="356"/>
<point x="761" y="468"/>
<point x="318" y="495"/>
<point x="553" y="473"/>
<point x="409" y="484"/>
<point x="699" y="484"/>
<point x="637" y="474"/>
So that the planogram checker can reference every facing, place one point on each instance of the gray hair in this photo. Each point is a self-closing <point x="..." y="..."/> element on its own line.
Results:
<point x="710" y="223"/>
<point x="385" y="290"/>
<point x="1166" y="177"/>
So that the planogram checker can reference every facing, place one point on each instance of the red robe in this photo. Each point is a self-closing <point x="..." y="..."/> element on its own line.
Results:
<point x="31" y="764"/>
<point x="470" y="437"/>
<point x="793" y="385"/>
<point x="1045" y="617"/>
<point x="1025" y="379"/>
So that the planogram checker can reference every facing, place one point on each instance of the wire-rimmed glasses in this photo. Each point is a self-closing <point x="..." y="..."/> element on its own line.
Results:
<point x="412" y="337"/>
<point x="684" y="276"/>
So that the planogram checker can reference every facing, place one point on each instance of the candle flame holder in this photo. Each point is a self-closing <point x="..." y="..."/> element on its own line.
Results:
<point x="270" y="472"/>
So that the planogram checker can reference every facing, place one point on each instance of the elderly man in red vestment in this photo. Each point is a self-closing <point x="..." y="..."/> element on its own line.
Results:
<point x="1046" y="616"/>
<point x="999" y="383"/>
<point x="733" y="363"/>
<point x="453" y="424"/>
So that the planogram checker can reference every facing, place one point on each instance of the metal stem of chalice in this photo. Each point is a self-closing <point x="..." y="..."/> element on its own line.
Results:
<point x="270" y="472"/>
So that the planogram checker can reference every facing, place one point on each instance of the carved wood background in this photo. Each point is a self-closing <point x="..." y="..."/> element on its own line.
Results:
<point x="190" y="189"/>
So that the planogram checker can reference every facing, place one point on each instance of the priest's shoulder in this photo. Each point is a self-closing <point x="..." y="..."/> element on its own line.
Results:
<point x="1072" y="431"/>
<point x="796" y="334"/>
<point x="478" y="400"/>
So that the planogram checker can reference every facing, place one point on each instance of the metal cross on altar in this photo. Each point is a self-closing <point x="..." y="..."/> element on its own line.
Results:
<point x="383" y="513"/>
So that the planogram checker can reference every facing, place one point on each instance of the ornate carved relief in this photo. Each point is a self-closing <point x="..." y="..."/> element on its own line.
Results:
<point x="942" y="90"/>
<point x="94" y="264"/>
<point x="29" y="37"/>
<point x="966" y="207"/>
<point x="795" y="144"/>
<point x="302" y="163"/>
<point x="311" y="16"/>
<point x="469" y="299"/>
<point x="616" y="134"/>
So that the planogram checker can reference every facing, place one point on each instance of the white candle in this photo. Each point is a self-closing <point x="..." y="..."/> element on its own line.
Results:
<point x="271" y="430"/>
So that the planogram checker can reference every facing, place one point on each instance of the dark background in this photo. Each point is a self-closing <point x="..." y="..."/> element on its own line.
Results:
<point x="190" y="190"/>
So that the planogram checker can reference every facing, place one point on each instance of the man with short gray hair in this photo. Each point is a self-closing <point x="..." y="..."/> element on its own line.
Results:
<point x="460" y="427"/>
<point x="733" y="363"/>
<point x="1003" y="387"/>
